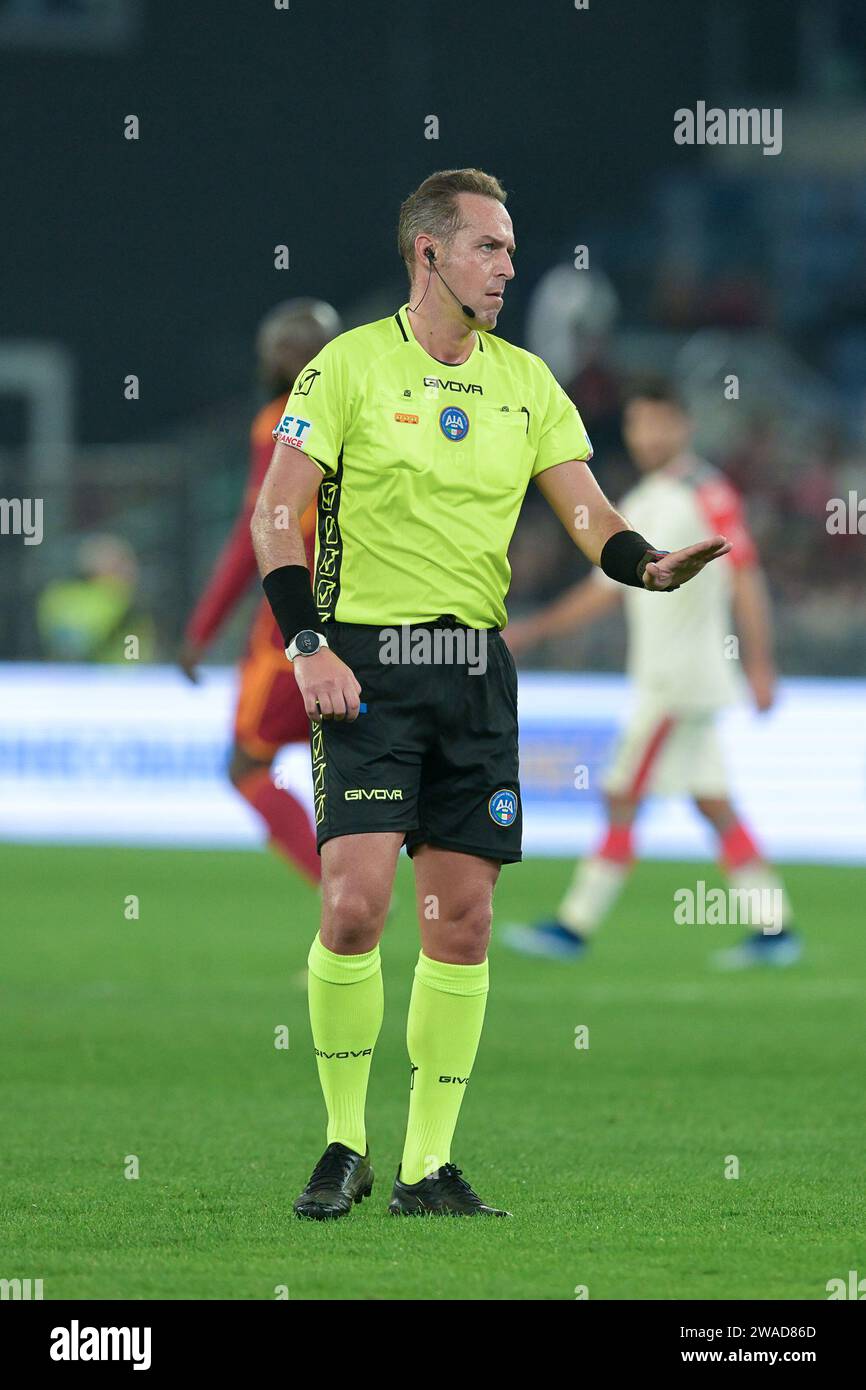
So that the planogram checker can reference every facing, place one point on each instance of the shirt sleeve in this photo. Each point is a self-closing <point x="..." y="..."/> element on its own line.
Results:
<point x="722" y="509"/>
<point x="563" y="436"/>
<point x="316" y="412"/>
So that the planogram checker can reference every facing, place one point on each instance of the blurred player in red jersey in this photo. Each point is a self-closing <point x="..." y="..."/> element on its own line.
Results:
<point x="270" y="709"/>
<point x="683" y="666"/>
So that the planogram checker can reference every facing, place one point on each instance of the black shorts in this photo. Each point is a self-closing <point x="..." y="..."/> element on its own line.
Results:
<point x="435" y="753"/>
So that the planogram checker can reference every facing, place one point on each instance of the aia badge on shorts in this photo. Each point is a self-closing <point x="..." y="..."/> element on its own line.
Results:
<point x="454" y="423"/>
<point x="503" y="806"/>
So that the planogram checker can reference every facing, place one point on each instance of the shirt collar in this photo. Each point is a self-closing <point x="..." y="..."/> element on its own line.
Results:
<point x="405" y="327"/>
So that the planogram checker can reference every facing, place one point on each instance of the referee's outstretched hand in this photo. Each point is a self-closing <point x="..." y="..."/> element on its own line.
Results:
<point x="328" y="687"/>
<point x="679" y="566"/>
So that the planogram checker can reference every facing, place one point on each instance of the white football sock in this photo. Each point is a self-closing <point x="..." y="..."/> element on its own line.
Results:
<point x="595" y="887"/>
<point x="768" y="905"/>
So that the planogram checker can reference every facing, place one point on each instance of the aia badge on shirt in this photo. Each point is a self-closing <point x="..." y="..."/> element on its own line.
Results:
<point x="454" y="423"/>
<point x="503" y="806"/>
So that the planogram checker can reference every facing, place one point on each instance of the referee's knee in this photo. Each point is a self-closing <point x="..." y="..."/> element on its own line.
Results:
<point x="466" y="929"/>
<point x="353" y="915"/>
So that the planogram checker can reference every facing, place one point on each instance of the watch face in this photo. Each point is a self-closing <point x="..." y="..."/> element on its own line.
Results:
<point x="308" y="642"/>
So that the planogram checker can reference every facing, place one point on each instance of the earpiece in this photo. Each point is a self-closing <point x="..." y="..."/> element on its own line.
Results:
<point x="431" y="258"/>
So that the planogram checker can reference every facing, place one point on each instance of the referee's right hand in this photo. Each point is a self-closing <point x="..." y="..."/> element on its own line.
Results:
<point x="328" y="686"/>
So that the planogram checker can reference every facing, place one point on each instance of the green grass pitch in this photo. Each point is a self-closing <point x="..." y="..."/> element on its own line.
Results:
<point x="155" y="1038"/>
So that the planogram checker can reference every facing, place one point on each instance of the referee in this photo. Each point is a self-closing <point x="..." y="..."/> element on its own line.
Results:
<point x="418" y="435"/>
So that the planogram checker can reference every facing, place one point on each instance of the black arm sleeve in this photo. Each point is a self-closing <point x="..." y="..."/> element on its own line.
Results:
<point x="290" y="595"/>
<point x="626" y="554"/>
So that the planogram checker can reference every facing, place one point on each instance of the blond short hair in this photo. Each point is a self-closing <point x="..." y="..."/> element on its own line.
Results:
<point x="433" y="209"/>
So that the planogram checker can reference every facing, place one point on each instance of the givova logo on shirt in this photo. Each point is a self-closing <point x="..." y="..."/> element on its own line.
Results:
<point x="305" y="381"/>
<point x="502" y="806"/>
<point x="454" y="423"/>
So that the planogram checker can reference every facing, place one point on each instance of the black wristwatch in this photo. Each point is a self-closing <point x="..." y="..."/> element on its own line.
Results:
<point x="305" y="643"/>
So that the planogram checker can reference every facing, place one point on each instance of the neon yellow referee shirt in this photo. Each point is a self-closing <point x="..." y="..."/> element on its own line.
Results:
<point x="426" y="466"/>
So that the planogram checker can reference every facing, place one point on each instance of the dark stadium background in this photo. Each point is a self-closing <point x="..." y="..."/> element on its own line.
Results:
<point x="306" y="127"/>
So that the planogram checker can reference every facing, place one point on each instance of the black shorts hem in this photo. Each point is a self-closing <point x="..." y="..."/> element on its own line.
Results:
<point x="513" y="856"/>
<point x="362" y="830"/>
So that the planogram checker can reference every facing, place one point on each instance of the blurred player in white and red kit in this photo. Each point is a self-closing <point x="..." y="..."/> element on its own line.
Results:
<point x="680" y="660"/>
<point x="270" y="709"/>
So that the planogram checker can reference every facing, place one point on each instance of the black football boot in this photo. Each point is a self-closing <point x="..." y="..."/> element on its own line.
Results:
<point x="340" y="1178"/>
<point x="444" y="1193"/>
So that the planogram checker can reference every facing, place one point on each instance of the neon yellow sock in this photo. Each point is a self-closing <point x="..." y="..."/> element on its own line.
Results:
<point x="346" y="1008"/>
<point x="446" y="1014"/>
